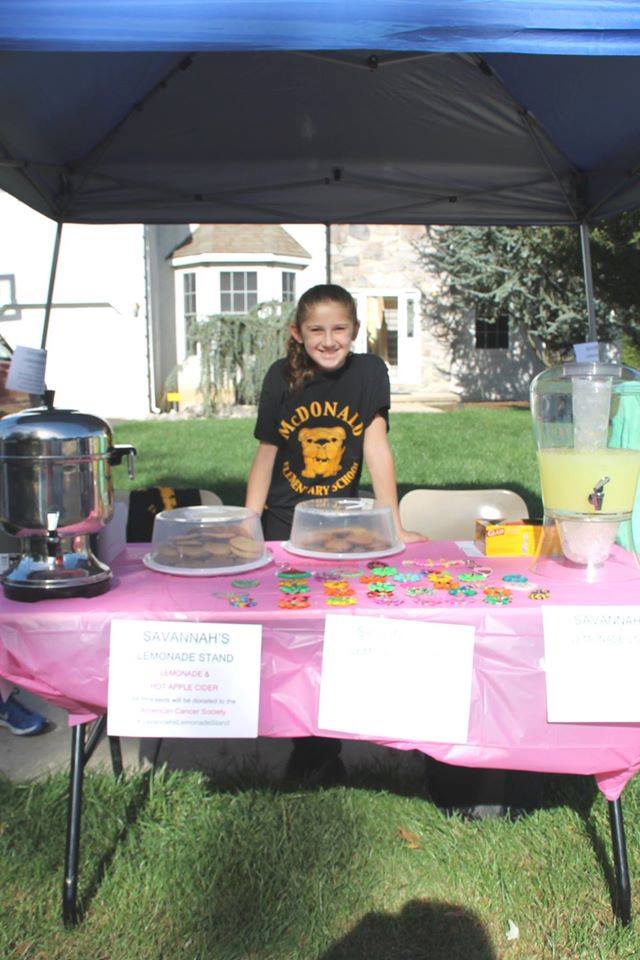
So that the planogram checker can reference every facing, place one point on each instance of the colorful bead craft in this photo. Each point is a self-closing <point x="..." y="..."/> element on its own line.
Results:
<point x="539" y="595"/>
<point x="384" y="571"/>
<point x="293" y="603"/>
<point x="463" y="592"/>
<point x="515" y="578"/>
<point x="387" y="600"/>
<point x="245" y="583"/>
<point x="338" y="601"/>
<point x="241" y="600"/>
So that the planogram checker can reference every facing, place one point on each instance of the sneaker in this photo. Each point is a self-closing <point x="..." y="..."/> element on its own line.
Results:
<point x="20" y="720"/>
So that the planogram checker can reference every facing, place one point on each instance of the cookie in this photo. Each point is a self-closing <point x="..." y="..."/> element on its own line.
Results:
<point x="360" y="537"/>
<point x="244" y="547"/>
<point x="337" y="544"/>
<point x="216" y="548"/>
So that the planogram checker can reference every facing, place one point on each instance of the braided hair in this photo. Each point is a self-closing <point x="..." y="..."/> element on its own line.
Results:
<point x="299" y="367"/>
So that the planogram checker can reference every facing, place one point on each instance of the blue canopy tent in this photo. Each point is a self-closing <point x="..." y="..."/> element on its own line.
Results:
<point x="377" y="111"/>
<point x="492" y="111"/>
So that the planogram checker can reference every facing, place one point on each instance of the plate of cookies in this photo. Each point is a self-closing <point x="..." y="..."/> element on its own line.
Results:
<point x="343" y="529"/>
<point x="206" y="541"/>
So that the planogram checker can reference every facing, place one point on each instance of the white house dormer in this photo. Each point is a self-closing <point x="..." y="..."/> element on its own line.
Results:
<point x="229" y="268"/>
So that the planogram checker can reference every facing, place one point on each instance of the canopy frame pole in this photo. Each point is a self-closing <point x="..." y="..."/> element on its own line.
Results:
<point x="588" y="280"/>
<point x="327" y="251"/>
<point x="52" y="280"/>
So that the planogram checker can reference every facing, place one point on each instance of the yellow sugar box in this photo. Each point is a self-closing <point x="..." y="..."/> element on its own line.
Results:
<point x="507" y="538"/>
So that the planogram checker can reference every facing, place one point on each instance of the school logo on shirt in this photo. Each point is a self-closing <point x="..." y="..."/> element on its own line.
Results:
<point x="322" y="449"/>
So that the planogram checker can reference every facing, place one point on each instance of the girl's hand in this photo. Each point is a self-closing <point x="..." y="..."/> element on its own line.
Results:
<point x="410" y="536"/>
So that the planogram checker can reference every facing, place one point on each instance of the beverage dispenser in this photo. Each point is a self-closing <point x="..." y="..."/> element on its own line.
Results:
<point x="586" y="421"/>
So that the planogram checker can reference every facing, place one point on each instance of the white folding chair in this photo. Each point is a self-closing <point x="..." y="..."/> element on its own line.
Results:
<point x="452" y="514"/>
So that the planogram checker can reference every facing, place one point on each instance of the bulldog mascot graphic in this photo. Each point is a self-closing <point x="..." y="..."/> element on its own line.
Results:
<point x="322" y="450"/>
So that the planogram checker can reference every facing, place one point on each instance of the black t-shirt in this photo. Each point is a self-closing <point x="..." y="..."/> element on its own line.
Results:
<point x="319" y="431"/>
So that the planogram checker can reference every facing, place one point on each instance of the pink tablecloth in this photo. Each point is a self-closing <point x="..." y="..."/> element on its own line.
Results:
<point x="59" y="650"/>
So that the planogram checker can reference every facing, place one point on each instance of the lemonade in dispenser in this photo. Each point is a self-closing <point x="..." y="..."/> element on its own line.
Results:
<point x="586" y="420"/>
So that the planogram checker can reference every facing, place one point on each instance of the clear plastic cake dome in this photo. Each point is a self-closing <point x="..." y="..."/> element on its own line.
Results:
<point x="586" y="421"/>
<point x="341" y="528"/>
<point x="206" y="540"/>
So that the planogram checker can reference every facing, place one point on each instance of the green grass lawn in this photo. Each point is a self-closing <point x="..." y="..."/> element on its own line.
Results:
<point x="178" y="867"/>
<point x="468" y="448"/>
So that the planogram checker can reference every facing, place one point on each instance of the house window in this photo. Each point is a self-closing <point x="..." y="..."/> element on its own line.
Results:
<point x="411" y="318"/>
<point x="190" y="314"/>
<point x="8" y="306"/>
<point x="238" y="290"/>
<point x="288" y="286"/>
<point x="492" y="334"/>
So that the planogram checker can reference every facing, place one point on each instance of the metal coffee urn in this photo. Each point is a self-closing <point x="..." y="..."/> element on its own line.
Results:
<point x="55" y="491"/>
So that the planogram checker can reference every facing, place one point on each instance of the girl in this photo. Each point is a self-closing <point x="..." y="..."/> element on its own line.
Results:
<point x="323" y="410"/>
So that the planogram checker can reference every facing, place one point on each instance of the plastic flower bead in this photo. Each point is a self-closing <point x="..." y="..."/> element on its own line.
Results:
<point x="335" y="584"/>
<point x="373" y="578"/>
<point x="289" y="572"/>
<point x="407" y="577"/>
<point x="539" y="595"/>
<point x="431" y="601"/>
<point x="515" y="578"/>
<point x="445" y="584"/>
<point x="419" y="591"/>
<point x="339" y="601"/>
<point x="241" y="600"/>
<point x="381" y="588"/>
<point x="294" y="588"/>
<point x="387" y="600"/>
<point x="472" y="577"/>
<point x="439" y="577"/>
<point x="245" y="583"/>
<point x="384" y="571"/>
<point x="293" y="603"/>
<point x="497" y="592"/>
<point x="463" y="592"/>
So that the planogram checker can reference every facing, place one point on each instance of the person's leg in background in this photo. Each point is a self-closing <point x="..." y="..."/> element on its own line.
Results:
<point x="314" y="760"/>
<point x="15" y="716"/>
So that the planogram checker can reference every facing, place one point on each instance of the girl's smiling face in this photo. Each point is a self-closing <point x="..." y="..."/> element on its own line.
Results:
<point x="327" y="333"/>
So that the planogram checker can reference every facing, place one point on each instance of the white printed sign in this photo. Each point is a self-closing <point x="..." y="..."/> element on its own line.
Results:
<point x="176" y="679"/>
<point x="588" y="352"/>
<point x="26" y="370"/>
<point x="592" y="664"/>
<point x="396" y="679"/>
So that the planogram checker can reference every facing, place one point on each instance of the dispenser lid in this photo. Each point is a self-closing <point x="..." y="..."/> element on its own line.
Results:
<point x="26" y="432"/>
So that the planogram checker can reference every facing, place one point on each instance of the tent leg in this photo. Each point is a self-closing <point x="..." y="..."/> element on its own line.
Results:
<point x="52" y="280"/>
<point x="327" y="251"/>
<point x="623" y="904"/>
<point x="588" y="280"/>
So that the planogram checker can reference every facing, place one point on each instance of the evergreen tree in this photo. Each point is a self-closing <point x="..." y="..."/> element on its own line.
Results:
<point x="534" y="275"/>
